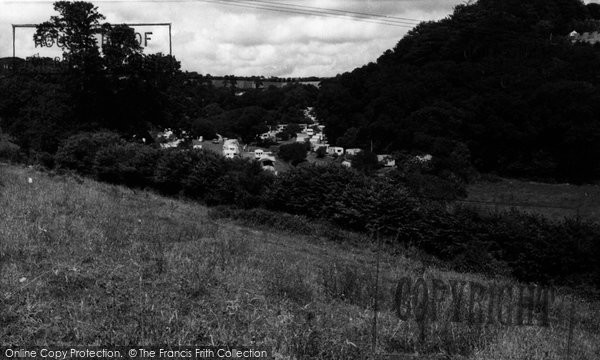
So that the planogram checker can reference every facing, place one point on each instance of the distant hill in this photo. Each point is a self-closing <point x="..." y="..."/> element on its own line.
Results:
<point x="498" y="82"/>
<point x="253" y="82"/>
<point x="260" y="84"/>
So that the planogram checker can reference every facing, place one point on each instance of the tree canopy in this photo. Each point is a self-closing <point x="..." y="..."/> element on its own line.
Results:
<point x="499" y="79"/>
<point x="115" y="87"/>
<point x="75" y="30"/>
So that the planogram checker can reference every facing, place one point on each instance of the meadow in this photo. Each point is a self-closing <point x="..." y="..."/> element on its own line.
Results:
<point x="554" y="201"/>
<point x="88" y="263"/>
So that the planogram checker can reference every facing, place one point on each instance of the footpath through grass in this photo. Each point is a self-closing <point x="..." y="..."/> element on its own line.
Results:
<point x="86" y="263"/>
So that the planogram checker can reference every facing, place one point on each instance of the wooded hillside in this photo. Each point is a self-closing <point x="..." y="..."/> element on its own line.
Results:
<point x="500" y="78"/>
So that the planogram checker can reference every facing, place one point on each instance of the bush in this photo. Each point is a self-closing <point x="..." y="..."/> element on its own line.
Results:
<point x="321" y="152"/>
<point x="202" y="179"/>
<point x="341" y="195"/>
<point x="9" y="151"/>
<point x="78" y="152"/>
<point x="45" y="159"/>
<point x="426" y="180"/>
<point x="293" y="153"/>
<point x="365" y="161"/>
<point x="172" y="169"/>
<point x="290" y="131"/>
<point x="129" y="164"/>
<point x="243" y="184"/>
<point x="204" y="128"/>
<point x="529" y="247"/>
<point x="208" y="177"/>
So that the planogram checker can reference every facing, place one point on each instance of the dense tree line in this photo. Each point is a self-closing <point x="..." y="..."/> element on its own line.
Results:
<point x="41" y="108"/>
<point x="497" y="80"/>
<point x="42" y="102"/>
<point x="196" y="174"/>
<point x="241" y="114"/>
<point x="119" y="88"/>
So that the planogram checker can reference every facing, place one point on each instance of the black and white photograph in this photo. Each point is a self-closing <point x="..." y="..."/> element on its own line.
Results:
<point x="300" y="179"/>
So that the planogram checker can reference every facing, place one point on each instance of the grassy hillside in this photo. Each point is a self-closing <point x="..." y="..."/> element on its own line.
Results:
<point x="554" y="201"/>
<point x="87" y="263"/>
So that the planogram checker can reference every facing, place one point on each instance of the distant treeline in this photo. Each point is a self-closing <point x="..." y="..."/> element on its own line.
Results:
<point x="41" y="108"/>
<point x="44" y="101"/>
<point x="500" y="78"/>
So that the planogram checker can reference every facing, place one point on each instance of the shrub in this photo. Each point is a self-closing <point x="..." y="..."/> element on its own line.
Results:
<point x="78" y="152"/>
<point x="208" y="177"/>
<point x="529" y="247"/>
<point x="207" y="167"/>
<point x="243" y="184"/>
<point x="290" y="131"/>
<point x="205" y="128"/>
<point x="129" y="164"/>
<point x="365" y="161"/>
<point x="9" y="151"/>
<point x="425" y="180"/>
<point x="339" y="194"/>
<point x="45" y="159"/>
<point x="321" y="152"/>
<point x="293" y="153"/>
<point x="172" y="169"/>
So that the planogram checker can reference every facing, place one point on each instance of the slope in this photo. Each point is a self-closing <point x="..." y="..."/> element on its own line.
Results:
<point x="86" y="263"/>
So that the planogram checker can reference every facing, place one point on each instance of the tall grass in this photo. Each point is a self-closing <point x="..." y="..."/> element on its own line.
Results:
<point x="86" y="263"/>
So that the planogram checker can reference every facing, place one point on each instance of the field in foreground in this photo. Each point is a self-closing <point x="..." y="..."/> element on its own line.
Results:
<point x="88" y="263"/>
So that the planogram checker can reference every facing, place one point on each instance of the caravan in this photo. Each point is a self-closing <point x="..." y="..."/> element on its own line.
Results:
<point x="231" y="148"/>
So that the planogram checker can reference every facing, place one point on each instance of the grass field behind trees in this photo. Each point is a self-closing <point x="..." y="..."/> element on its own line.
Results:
<point x="90" y="263"/>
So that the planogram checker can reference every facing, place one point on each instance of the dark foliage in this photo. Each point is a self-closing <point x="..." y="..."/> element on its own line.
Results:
<point x="130" y="164"/>
<point x="498" y="79"/>
<point x="365" y="161"/>
<point x="196" y="174"/>
<point x="244" y="123"/>
<point x="321" y="152"/>
<point x="290" y="131"/>
<point x="525" y="246"/>
<point x="533" y="248"/>
<point x="343" y="196"/>
<point x="204" y="128"/>
<point x="79" y="151"/>
<point x="8" y="149"/>
<point x="294" y="153"/>
<point x="433" y="179"/>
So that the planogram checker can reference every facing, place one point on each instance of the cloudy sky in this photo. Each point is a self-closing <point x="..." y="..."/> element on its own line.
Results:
<point x="213" y="37"/>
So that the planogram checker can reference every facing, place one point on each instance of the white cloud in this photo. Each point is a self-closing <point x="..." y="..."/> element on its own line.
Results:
<point x="222" y="39"/>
